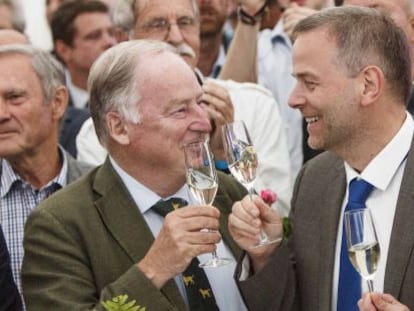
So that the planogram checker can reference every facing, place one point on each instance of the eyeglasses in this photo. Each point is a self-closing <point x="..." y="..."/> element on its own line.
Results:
<point x="161" y="27"/>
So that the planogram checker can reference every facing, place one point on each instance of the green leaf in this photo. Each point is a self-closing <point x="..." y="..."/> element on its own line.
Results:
<point x="287" y="228"/>
<point x="119" y="303"/>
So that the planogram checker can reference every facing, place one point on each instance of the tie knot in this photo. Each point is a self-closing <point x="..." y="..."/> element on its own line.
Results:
<point x="359" y="190"/>
<point x="163" y="207"/>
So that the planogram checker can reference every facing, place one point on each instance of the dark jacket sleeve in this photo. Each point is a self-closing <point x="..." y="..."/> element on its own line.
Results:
<point x="9" y="295"/>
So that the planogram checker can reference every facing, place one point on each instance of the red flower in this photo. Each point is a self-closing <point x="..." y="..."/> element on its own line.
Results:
<point x="268" y="196"/>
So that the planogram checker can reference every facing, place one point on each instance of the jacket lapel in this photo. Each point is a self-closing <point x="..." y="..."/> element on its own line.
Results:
<point x="125" y="222"/>
<point x="402" y="236"/>
<point x="329" y="220"/>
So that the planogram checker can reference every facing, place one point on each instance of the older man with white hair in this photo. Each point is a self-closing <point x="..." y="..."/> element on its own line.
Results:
<point x="177" y="23"/>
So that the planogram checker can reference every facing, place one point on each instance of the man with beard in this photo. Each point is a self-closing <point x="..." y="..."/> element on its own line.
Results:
<point x="214" y="42"/>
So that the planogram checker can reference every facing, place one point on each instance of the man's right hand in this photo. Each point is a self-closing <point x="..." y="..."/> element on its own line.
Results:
<point x="248" y="217"/>
<point x="179" y="241"/>
<point x="293" y="15"/>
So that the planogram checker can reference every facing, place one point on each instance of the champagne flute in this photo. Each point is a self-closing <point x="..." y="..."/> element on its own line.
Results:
<point x="243" y="162"/>
<point x="362" y="243"/>
<point x="202" y="181"/>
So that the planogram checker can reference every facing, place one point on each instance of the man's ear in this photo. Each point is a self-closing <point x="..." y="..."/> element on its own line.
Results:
<point x="60" y="102"/>
<point x="63" y="51"/>
<point x="117" y="127"/>
<point x="372" y="84"/>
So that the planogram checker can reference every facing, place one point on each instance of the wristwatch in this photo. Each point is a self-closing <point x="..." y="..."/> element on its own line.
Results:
<point x="249" y="19"/>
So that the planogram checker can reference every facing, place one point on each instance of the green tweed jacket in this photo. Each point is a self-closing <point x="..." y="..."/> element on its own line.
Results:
<point x="82" y="244"/>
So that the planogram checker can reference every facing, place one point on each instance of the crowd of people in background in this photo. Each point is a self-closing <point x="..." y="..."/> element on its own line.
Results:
<point x="92" y="136"/>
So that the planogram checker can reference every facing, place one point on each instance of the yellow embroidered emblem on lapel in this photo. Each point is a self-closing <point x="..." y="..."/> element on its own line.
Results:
<point x="189" y="279"/>
<point x="205" y="292"/>
<point x="175" y="206"/>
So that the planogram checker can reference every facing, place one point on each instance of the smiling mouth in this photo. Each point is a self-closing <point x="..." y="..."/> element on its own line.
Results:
<point x="311" y="120"/>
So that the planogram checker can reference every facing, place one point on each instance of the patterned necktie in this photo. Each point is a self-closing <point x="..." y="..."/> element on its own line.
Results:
<point x="349" y="285"/>
<point x="199" y="293"/>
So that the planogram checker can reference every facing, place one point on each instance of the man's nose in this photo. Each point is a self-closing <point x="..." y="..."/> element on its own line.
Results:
<point x="174" y="35"/>
<point x="109" y="39"/>
<point x="296" y="98"/>
<point x="4" y="110"/>
<point x="202" y="122"/>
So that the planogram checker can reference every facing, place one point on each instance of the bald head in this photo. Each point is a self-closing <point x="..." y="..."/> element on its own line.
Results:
<point x="11" y="36"/>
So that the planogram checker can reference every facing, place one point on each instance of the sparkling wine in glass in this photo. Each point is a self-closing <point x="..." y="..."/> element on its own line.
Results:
<point x="202" y="181"/>
<point x="243" y="162"/>
<point x="362" y="243"/>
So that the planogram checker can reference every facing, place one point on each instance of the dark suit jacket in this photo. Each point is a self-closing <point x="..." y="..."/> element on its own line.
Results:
<point x="71" y="123"/>
<point x="9" y="295"/>
<point x="305" y="282"/>
<point x="82" y="244"/>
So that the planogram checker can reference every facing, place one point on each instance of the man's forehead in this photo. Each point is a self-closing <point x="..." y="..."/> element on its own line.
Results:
<point x="161" y="5"/>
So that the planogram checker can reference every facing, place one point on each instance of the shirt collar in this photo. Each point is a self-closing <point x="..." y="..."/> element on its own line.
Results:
<point x="143" y="196"/>
<point x="80" y="97"/>
<point x="9" y="177"/>
<point x="383" y="167"/>
<point x="278" y="34"/>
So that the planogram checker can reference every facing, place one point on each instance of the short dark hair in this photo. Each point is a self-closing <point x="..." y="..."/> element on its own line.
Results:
<point x="364" y="37"/>
<point x="63" y="18"/>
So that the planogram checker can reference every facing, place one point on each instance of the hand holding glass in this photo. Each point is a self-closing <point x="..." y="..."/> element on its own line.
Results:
<point x="362" y="243"/>
<point x="202" y="181"/>
<point x="243" y="162"/>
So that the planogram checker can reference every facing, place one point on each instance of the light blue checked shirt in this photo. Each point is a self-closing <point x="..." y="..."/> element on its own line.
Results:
<point x="17" y="200"/>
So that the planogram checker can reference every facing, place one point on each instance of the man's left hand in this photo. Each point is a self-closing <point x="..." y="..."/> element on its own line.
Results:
<point x="380" y="302"/>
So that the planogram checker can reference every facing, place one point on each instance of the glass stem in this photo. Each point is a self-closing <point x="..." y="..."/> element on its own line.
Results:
<point x="370" y="285"/>
<point x="251" y="192"/>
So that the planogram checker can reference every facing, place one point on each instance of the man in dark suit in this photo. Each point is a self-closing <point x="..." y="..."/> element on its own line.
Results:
<point x="9" y="295"/>
<point x="352" y="88"/>
<point x="81" y="31"/>
<point x="100" y="237"/>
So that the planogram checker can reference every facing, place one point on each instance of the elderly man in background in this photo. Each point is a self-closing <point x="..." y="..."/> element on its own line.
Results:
<point x="177" y="22"/>
<point x="32" y="165"/>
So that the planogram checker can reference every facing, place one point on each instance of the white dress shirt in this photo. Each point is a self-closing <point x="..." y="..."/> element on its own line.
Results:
<point x="385" y="173"/>
<point x="221" y="279"/>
